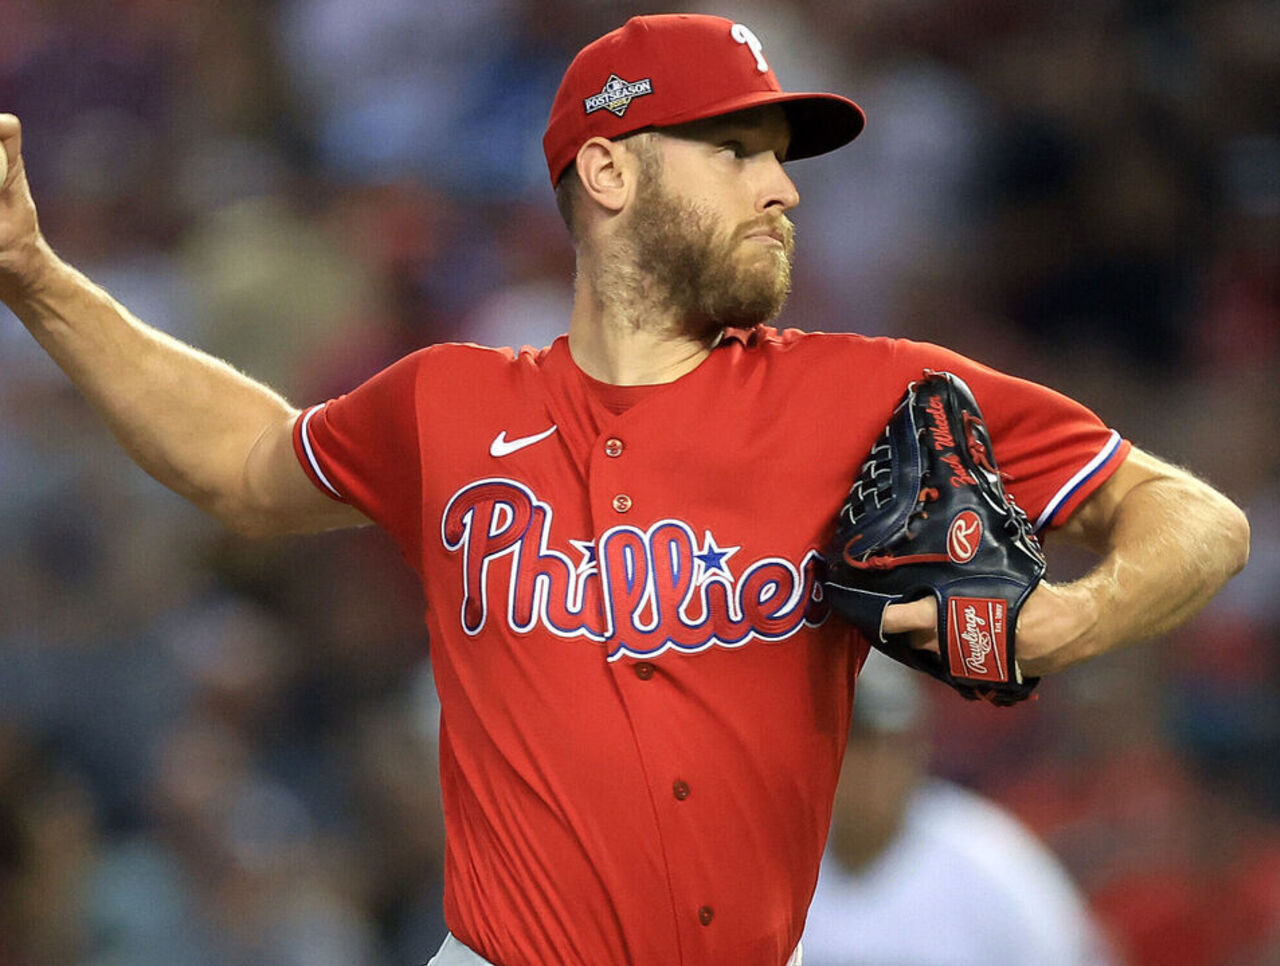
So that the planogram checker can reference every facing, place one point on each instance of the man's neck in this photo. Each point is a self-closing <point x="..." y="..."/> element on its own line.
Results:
<point x="625" y="342"/>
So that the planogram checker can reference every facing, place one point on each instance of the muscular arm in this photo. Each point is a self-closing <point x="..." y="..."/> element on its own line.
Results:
<point x="194" y="423"/>
<point x="1167" y="542"/>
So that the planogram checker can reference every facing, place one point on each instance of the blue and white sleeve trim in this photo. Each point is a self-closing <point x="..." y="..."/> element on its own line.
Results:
<point x="1073" y="485"/>
<point x="305" y="435"/>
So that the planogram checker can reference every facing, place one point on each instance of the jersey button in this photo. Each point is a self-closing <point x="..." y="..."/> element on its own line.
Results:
<point x="613" y="447"/>
<point x="680" y="790"/>
<point x="644" y="670"/>
<point x="705" y="915"/>
<point x="622" y="503"/>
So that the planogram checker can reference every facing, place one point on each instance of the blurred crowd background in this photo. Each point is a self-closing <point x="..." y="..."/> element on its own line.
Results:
<point x="221" y="751"/>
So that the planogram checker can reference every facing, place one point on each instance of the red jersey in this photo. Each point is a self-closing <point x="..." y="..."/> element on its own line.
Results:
<point x="644" y="700"/>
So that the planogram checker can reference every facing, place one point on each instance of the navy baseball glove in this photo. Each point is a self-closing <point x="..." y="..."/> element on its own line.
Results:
<point x="928" y="514"/>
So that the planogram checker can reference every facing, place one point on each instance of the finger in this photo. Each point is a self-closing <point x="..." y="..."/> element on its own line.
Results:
<point x="916" y="615"/>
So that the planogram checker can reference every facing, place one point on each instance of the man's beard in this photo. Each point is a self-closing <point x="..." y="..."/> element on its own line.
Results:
<point x="699" y="277"/>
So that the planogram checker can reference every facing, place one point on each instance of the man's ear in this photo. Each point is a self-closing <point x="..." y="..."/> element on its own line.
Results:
<point x="608" y="172"/>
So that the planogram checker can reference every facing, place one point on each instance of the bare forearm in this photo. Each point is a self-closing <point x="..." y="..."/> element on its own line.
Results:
<point x="1175" y="546"/>
<point x="191" y="421"/>
<point x="188" y="419"/>
<point x="1170" y="544"/>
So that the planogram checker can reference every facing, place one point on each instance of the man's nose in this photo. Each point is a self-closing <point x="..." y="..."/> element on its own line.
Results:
<point x="778" y="190"/>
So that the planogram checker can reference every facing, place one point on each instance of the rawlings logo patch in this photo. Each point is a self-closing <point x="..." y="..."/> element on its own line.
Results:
<point x="617" y="95"/>
<point x="964" y="536"/>
<point x="976" y="638"/>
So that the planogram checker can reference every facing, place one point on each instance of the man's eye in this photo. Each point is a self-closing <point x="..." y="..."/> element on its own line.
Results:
<point x="735" y="147"/>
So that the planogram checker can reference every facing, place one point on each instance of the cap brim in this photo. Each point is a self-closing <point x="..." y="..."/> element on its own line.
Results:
<point x="819" y="122"/>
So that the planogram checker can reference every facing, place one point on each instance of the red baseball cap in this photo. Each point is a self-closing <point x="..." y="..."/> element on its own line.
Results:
<point x="673" y="68"/>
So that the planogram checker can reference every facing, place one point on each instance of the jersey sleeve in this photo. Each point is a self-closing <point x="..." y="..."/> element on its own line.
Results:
<point x="362" y="448"/>
<point x="1054" y="450"/>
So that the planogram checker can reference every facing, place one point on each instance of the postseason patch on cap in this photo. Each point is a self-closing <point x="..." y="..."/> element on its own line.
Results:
<point x="617" y="95"/>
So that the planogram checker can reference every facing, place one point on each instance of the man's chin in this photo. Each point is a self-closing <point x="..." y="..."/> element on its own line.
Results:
<point x="765" y="308"/>
<point x="766" y="264"/>
<point x="768" y="295"/>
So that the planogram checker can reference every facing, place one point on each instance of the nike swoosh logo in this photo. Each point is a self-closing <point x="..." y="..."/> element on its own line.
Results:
<point x="501" y="446"/>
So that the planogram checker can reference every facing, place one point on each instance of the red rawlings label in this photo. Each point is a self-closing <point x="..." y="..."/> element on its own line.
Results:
<point x="977" y="642"/>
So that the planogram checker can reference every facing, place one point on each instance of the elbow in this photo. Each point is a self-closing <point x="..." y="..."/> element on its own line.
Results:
<point x="247" y="521"/>
<point x="256" y="520"/>
<point x="1237" y="534"/>
<point x="250" y="526"/>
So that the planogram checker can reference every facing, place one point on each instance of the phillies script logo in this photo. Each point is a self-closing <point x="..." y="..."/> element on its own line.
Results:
<point x="641" y="591"/>
<point x="963" y="536"/>
<point x="976" y="637"/>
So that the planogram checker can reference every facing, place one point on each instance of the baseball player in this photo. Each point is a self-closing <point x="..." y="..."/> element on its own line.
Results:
<point x="644" y="698"/>
<point x="904" y="840"/>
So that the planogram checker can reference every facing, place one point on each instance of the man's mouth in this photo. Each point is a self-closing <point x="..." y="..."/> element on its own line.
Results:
<point x="769" y="234"/>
